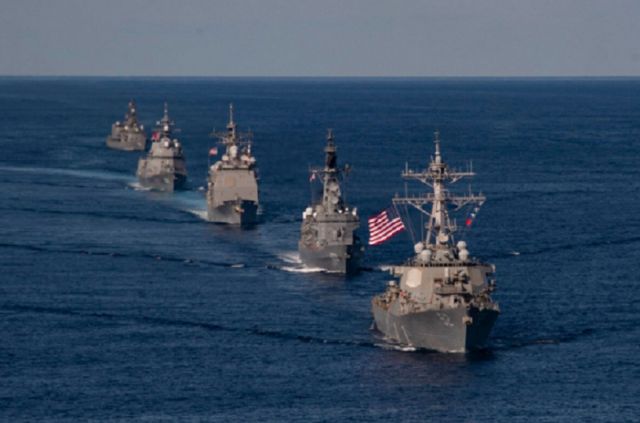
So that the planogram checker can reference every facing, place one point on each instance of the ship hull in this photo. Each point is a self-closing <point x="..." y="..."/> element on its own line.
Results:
<point x="445" y="330"/>
<point x="242" y="212"/>
<point x="332" y="258"/>
<point x="132" y="143"/>
<point x="167" y="183"/>
<point x="160" y="174"/>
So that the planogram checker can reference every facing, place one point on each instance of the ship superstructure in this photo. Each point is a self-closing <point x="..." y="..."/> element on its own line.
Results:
<point x="232" y="183"/>
<point x="164" y="167"/>
<point x="328" y="238"/>
<point x="442" y="301"/>
<point x="128" y="135"/>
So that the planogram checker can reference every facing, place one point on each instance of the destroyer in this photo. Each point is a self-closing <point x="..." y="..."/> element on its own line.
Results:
<point x="232" y="185"/>
<point x="443" y="299"/>
<point x="128" y="135"/>
<point x="163" y="168"/>
<point x="327" y="236"/>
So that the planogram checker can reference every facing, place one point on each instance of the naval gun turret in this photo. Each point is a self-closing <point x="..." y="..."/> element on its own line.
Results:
<point x="442" y="301"/>
<point x="232" y="183"/>
<point x="128" y="135"/>
<point x="328" y="238"/>
<point x="164" y="168"/>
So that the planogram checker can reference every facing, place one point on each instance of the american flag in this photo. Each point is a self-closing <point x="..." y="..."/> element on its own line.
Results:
<point x="155" y="136"/>
<point x="213" y="151"/>
<point x="384" y="225"/>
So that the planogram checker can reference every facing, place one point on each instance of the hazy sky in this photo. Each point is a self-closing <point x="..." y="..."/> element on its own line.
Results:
<point x="320" y="37"/>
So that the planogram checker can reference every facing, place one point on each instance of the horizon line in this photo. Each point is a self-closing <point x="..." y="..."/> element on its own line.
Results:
<point x="69" y="76"/>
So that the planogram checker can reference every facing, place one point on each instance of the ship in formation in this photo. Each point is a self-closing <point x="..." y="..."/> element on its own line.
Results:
<point x="163" y="168"/>
<point x="443" y="299"/>
<point x="128" y="135"/>
<point x="328" y="238"/>
<point x="232" y="183"/>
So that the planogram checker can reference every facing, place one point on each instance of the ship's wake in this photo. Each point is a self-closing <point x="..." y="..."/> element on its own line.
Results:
<point x="508" y="343"/>
<point x="293" y="264"/>
<point x="192" y="202"/>
<point x="395" y="347"/>
<point x="138" y="255"/>
<point x="137" y="187"/>
<point x="77" y="173"/>
<point x="199" y="213"/>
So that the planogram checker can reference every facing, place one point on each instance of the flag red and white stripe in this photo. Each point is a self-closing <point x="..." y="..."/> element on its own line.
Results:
<point x="155" y="136"/>
<point x="384" y="225"/>
<point x="213" y="151"/>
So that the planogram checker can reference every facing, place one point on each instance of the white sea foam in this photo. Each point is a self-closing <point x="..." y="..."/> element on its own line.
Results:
<point x="302" y="269"/>
<point x="396" y="347"/>
<point x="290" y="257"/>
<point x="295" y="265"/>
<point x="202" y="214"/>
<point x="137" y="187"/>
<point x="191" y="202"/>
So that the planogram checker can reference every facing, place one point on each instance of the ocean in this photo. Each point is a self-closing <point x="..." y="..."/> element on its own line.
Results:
<point x="119" y="304"/>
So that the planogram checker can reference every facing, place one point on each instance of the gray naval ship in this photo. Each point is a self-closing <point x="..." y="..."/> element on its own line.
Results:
<point x="327" y="235"/>
<point x="442" y="301"/>
<point x="128" y="135"/>
<point x="163" y="169"/>
<point x="232" y="184"/>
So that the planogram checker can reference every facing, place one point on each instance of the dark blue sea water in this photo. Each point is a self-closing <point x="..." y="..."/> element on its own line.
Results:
<point x="124" y="305"/>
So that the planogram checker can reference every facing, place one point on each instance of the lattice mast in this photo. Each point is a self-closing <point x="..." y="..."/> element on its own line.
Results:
<point x="233" y="140"/>
<point x="331" y="175"/>
<point x="439" y="229"/>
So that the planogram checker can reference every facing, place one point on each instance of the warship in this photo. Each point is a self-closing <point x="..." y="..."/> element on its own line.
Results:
<point x="328" y="238"/>
<point x="232" y="183"/>
<point x="128" y="135"/>
<point x="442" y="301"/>
<point x="163" y="169"/>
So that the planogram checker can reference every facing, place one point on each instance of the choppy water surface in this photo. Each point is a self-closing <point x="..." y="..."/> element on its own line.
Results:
<point x="122" y="304"/>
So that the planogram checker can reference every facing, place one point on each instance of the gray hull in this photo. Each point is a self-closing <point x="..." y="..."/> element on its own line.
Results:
<point x="137" y="142"/>
<point x="243" y="213"/>
<point x="332" y="258"/>
<point x="168" y="183"/>
<point x="446" y="330"/>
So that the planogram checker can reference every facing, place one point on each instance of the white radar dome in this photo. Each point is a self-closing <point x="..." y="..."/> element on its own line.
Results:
<point x="425" y="255"/>
<point x="463" y="254"/>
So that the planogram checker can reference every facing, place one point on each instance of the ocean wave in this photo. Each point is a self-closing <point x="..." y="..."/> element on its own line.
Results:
<point x="117" y="254"/>
<point x="199" y="213"/>
<point x="137" y="187"/>
<point x="302" y="269"/>
<point x="161" y="321"/>
<point x="77" y="173"/>
<point x="292" y="257"/>
<point x="396" y="347"/>
<point x="564" y="247"/>
<point x="103" y="215"/>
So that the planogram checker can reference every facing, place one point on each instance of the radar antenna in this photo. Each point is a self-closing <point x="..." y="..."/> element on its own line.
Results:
<point x="439" y="229"/>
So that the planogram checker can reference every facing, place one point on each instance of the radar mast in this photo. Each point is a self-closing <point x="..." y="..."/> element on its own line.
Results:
<point x="437" y="234"/>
